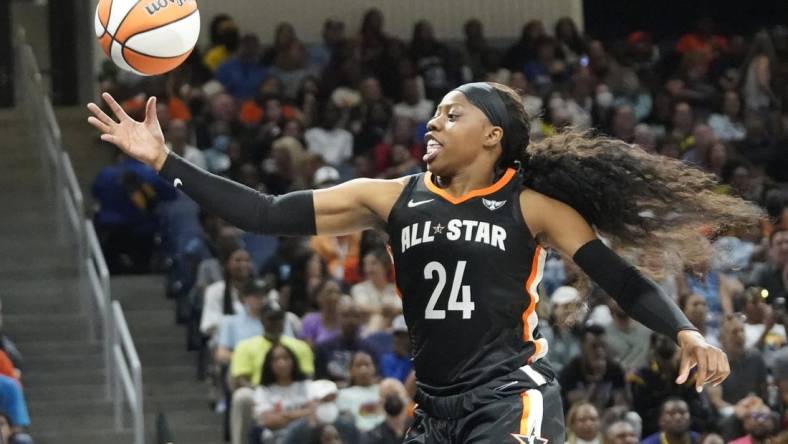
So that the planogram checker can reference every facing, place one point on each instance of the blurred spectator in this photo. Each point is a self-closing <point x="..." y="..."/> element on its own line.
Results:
<point x="221" y="298"/>
<point x="306" y="274"/>
<point x="774" y="275"/>
<point x="361" y="398"/>
<point x="763" y="328"/>
<point x="570" y="42"/>
<point x="246" y="323"/>
<point x="333" y="357"/>
<point x="282" y="396"/>
<point x="370" y="118"/>
<point x="478" y="56"/>
<point x="376" y="294"/>
<point x="340" y="255"/>
<point x="621" y="432"/>
<point x="291" y="67"/>
<point x="524" y="50"/>
<point x="547" y="68"/>
<point x="627" y="339"/>
<point x="247" y="365"/>
<point x="241" y="74"/>
<point x="757" y="74"/>
<point x="413" y="105"/>
<point x="330" y="140"/>
<point x="560" y="333"/>
<point x="397" y="363"/>
<point x="13" y="404"/>
<point x="593" y="376"/>
<point x="10" y="434"/>
<point x="127" y="194"/>
<point x="433" y="60"/>
<point x="655" y="382"/>
<point x="224" y="41"/>
<point x="284" y="34"/>
<point x="333" y="36"/>
<point x="399" y="153"/>
<point x="728" y="125"/>
<point x="395" y="402"/>
<point x="674" y="424"/>
<point x="695" y="308"/>
<point x="582" y="424"/>
<point x="178" y="141"/>
<point x="760" y="424"/>
<point x="748" y="369"/>
<point x="324" y="424"/>
<point x="323" y="325"/>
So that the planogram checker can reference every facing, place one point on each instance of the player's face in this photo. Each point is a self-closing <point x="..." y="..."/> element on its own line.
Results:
<point x="456" y="135"/>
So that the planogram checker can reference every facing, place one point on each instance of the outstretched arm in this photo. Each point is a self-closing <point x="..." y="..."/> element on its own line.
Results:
<point x="563" y="228"/>
<point x="350" y="207"/>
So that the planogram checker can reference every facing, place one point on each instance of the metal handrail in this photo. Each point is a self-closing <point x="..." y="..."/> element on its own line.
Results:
<point x="122" y="364"/>
<point x="130" y="373"/>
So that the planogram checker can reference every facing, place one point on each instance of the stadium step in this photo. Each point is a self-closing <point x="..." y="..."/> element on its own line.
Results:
<point x="42" y="302"/>
<point x="169" y="372"/>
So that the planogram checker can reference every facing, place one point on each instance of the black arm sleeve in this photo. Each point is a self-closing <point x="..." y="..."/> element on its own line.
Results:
<point x="290" y="214"/>
<point x="638" y="296"/>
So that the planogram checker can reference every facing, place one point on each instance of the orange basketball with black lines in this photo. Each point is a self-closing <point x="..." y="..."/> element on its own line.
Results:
<point x="147" y="37"/>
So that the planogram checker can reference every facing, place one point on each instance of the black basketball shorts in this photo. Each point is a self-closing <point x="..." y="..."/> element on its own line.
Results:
<point x="521" y="407"/>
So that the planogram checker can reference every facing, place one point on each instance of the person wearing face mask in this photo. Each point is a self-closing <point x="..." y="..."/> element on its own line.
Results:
<point x="395" y="404"/>
<point x="655" y="382"/>
<point x="323" y="394"/>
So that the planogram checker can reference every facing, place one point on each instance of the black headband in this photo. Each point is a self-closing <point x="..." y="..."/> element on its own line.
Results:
<point x="485" y="97"/>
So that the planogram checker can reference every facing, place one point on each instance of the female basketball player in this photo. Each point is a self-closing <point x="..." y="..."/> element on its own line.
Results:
<point x="469" y="237"/>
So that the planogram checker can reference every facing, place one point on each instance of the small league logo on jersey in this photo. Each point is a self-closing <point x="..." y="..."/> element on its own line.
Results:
<point x="532" y="439"/>
<point x="493" y="205"/>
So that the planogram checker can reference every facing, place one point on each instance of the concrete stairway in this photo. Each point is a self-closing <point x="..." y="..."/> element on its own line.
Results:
<point x="42" y="308"/>
<point x="170" y="383"/>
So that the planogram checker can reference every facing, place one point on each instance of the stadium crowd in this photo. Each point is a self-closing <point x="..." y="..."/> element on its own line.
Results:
<point x="302" y="339"/>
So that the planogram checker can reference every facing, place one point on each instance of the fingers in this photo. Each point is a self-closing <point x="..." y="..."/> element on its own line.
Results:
<point x="150" y="110"/>
<point x="703" y="370"/>
<point x="724" y="369"/>
<point x="100" y="115"/>
<point x="687" y="362"/>
<point x="116" y="109"/>
<point x="111" y="139"/>
<point x="101" y="126"/>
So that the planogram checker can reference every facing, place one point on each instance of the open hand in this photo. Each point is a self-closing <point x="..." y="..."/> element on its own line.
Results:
<point x="143" y="141"/>
<point x="712" y="362"/>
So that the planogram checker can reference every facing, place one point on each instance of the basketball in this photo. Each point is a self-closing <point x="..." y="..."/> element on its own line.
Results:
<point x="148" y="37"/>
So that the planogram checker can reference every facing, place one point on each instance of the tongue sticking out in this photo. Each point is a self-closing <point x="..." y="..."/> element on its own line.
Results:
<point x="433" y="149"/>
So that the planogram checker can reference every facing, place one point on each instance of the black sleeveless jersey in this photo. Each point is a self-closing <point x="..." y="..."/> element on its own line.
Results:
<point x="467" y="270"/>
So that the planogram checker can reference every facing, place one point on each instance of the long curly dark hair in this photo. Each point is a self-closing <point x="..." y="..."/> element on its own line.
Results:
<point x="659" y="210"/>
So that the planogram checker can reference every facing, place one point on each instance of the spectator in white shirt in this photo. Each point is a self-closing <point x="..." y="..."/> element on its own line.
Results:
<point x="282" y="396"/>
<point x="413" y="105"/>
<point x="222" y="299"/>
<point x="729" y="125"/>
<point x="329" y="140"/>
<point x="362" y="397"/>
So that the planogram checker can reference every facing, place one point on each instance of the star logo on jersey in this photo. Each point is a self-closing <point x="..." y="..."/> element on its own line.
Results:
<point x="493" y="205"/>
<point x="532" y="439"/>
<point x="438" y="229"/>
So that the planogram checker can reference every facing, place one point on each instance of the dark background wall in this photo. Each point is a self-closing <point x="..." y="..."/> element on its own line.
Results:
<point x="670" y="18"/>
<point x="6" y="56"/>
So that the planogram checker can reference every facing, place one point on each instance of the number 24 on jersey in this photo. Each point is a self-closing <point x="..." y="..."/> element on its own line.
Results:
<point x="465" y="305"/>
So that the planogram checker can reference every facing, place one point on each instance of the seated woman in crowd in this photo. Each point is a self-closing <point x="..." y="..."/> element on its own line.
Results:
<point x="282" y="395"/>
<point x="323" y="325"/>
<point x="376" y="296"/>
<point x="362" y="397"/>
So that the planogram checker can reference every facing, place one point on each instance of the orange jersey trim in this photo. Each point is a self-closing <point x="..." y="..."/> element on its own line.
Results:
<point x="532" y="303"/>
<point x="471" y="194"/>
<point x="526" y="412"/>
